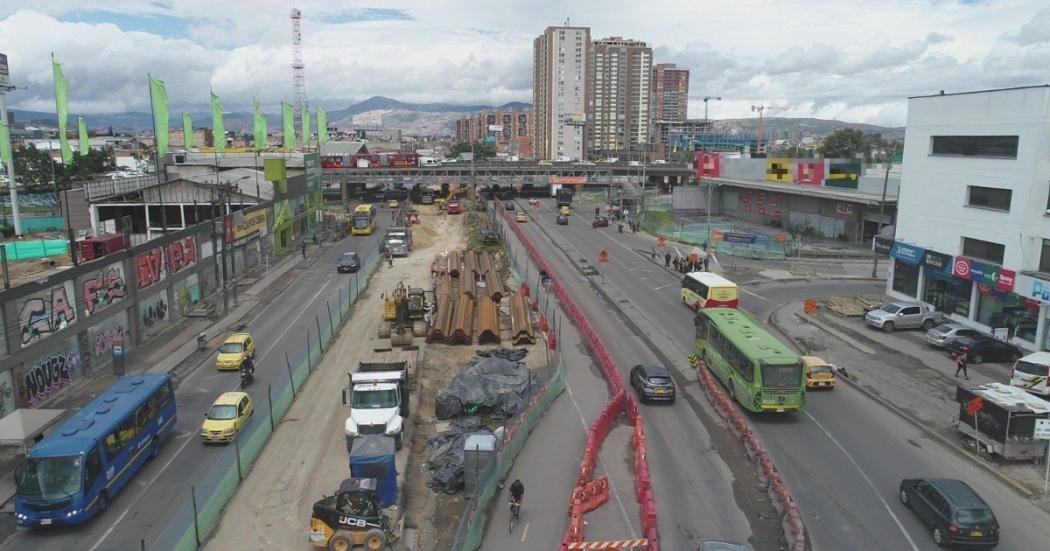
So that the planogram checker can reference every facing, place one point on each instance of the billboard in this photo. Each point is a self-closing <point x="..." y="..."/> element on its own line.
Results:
<point x="495" y="128"/>
<point x="708" y="165"/>
<point x="779" y="170"/>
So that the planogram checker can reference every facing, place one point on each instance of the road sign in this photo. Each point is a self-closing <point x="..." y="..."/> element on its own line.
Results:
<point x="603" y="257"/>
<point x="975" y="405"/>
<point x="1042" y="429"/>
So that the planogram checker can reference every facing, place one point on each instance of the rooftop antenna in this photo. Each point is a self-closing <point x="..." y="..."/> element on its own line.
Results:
<point x="567" y="22"/>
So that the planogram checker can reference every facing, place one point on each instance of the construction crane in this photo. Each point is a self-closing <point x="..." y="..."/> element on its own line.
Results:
<point x="760" y="148"/>
<point x="706" y="98"/>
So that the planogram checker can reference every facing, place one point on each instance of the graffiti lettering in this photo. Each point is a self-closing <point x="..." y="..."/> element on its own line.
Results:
<point x="39" y="319"/>
<point x="53" y="374"/>
<point x="104" y="289"/>
<point x="156" y="312"/>
<point x="150" y="268"/>
<point x="181" y="254"/>
<point x="104" y="340"/>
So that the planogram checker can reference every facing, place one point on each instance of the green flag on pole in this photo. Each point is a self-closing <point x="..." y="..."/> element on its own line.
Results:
<point x="82" y="135"/>
<point x="158" y="95"/>
<point x="218" y="129"/>
<point x="62" y="105"/>
<point x="306" y="128"/>
<point x="260" y="126"/>
<point x="288" y="118"/>
<point x="5" y="143"/>
<point x="322" y="127"/>
<point x="187" y="131"/>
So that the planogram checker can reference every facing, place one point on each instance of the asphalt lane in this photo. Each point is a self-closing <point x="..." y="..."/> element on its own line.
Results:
<point x="693" y="485"/>
<point x="143" y="509"/>
<point x="844" y="456"/>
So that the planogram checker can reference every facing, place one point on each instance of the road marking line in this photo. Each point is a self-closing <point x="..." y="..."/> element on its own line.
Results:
<point x="867" y="480"/>
<point x="525" y="532"/>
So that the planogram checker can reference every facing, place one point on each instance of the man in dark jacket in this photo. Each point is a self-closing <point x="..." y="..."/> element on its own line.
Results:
<point x="667" y="259"/>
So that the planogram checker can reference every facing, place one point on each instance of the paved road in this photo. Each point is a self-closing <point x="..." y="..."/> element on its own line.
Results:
<point x="142" y="510"/>
<point x="844" y="456"/>
<point x="697" y="491"/>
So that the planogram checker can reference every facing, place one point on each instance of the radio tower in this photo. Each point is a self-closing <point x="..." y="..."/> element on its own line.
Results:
<point x="298" y="73"/>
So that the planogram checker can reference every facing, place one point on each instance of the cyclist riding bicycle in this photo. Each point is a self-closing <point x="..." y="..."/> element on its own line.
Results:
<point x="517" y="491"/>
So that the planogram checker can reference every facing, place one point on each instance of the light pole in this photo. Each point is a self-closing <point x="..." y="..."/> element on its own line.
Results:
<point x="882" y="213"/>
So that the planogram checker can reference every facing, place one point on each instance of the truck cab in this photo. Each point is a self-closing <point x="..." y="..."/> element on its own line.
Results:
<point x="378" y="401"/>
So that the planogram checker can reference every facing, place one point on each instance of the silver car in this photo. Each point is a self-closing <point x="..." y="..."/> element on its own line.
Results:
<point x="945" y="333"/>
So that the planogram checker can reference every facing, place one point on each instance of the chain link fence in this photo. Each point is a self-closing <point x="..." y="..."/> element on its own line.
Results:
<point x="730" y="237"/>
<point x="201" y="507"/>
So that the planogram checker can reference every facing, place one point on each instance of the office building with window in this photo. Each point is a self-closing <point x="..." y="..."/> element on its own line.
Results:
<point x="561" y="56"/>
<point x="670" y="93"/>
<point x="619" y="102"/>
<point x="973" y="222"/>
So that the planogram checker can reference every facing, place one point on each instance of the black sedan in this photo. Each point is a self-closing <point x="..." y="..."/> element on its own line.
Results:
<point x="562" y="220"/>
<point x="348" y="263"/>
<point x="955" y="513"/>
<point x="509" y="205"/>
<point x="983" y="348"/>
<point x="600" y="222"/>
<point x="652" y="382"/>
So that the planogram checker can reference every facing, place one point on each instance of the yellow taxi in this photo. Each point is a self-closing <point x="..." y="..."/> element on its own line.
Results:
<point x="230" y="412"/>
<point x="392" y="204"/>
<point x="521" y="216"/>
<point x="232" y="353"/>
<point x="566" y="211"/>
<point x="819" y="373"/>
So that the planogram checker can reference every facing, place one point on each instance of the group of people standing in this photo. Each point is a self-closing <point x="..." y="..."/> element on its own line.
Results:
<point x="684" y="265"/>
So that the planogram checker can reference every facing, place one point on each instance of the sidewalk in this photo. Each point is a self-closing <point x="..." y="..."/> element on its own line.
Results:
<point x="172" y="351"/>
<point x="902" y="373"/>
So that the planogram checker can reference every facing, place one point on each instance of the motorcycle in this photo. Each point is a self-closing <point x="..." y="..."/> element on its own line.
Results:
<point x="246" y="375"/>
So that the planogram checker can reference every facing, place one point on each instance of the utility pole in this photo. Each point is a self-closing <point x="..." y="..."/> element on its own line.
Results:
<point x="882" y="213"/>
<point x="6" y="87"/>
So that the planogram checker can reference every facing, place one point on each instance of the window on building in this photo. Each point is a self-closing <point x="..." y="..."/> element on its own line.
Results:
<point x="1044" y="257"/>
<point x="983" y="250"/>
<point x="905" y="278"/>
<point x="975" y="146"/>
<point x="989" y="198"/>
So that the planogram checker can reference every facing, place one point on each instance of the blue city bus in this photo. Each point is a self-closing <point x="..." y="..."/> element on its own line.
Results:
<point x="70" y="476"/>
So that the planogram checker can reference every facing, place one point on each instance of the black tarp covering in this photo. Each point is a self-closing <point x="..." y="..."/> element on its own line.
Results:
<point x="495" y="382"/>
<point x="446" y="454"/>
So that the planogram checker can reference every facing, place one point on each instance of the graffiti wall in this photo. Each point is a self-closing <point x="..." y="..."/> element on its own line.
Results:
<point x="154" y="265"/>
<point x="101" y="337"/>
<point x="7" y="394"/>
<point x="153" y="313"/>
<point x="47" y="375"/>
<point x="43" y="314"/>
<point x="187" y="294"/>
<point x="103" y="288"/>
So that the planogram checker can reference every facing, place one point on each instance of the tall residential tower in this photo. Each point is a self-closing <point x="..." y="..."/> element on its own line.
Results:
<point x="620" y="98"/>
<point x="561" y="56"/>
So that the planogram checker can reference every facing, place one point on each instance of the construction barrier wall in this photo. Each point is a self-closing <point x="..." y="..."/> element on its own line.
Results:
<point x="197" y="516"/>
<point x="791" y="518"/>
<point x="621" y="402"/>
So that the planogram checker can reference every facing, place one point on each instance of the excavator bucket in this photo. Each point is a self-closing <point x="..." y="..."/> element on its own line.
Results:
<point x="404" y="338"/>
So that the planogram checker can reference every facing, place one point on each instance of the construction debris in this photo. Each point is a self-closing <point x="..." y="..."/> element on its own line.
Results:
<point x="490" y="385"/>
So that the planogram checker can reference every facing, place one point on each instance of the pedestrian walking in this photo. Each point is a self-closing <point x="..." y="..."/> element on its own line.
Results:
<point x="316" y="242"/>
<point x="652" y="254"/>
<point x="302" y="247"/>
<point x="389" y="257"/>
<point x="707" y="259"/>
<point x="960" y="365"/>
<point x="675" y="262"/>
<point x="667" y="259"/>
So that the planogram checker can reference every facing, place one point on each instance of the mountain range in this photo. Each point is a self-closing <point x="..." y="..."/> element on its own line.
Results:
<point x="427" y="119"/>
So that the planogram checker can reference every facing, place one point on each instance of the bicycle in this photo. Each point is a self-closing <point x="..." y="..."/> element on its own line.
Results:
<point x="515" y="509"/>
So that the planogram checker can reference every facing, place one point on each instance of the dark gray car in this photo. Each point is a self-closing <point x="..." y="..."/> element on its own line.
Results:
<point x="348" y="263"/>
<point x="652" y="382"/>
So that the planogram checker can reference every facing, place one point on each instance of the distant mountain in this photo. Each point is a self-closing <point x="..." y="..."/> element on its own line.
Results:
<point x="784" y="127"/>
<point x="242" y="122"/>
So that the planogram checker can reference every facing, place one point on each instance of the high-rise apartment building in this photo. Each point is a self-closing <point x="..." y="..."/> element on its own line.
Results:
<point x="620" y="99"/>
<point x="670" y="93"/>
<point x="561" y="56"/>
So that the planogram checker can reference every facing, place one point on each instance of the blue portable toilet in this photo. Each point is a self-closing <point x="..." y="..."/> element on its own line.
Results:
<point x="373" y="457"/>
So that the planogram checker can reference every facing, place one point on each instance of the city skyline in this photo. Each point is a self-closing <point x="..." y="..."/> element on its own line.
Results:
<point x="420" y="53"/>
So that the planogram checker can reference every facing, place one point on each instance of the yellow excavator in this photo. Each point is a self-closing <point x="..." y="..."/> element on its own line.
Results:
<point x="454" y="191"/>
<point x="403" y="315"/>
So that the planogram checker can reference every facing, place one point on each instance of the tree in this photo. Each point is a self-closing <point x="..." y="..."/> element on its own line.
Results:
<point x="34" y="168"/>
<point x="844" y="143"/>
<point x="801" y="235"/>
<point x="481" y="150"/>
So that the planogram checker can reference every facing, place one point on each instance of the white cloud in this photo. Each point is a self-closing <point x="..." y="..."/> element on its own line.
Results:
<point x="827" y="58"/>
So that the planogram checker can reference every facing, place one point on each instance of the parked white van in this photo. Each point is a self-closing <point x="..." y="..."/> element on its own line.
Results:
<point x="1031" y="373"/>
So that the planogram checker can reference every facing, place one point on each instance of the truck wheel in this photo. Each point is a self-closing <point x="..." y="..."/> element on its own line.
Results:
<point x="888" y="327"/>
<point x="341" y="541"/>
<point x="927" y="324"/>
<point x="375" y="539"/>
<point x="397" y="441"/>
<point x="349" y="444"/>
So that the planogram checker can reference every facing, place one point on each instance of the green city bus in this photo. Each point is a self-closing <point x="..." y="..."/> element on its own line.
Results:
<point x="759" y="371"/>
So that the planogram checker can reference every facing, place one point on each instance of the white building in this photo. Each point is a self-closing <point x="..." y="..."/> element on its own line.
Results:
<point x="973" y="223"/>
<point x="560" y="59"/>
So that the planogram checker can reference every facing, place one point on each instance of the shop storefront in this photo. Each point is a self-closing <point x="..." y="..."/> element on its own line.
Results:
<point x="940" y="288"/>
<point x="1035" y="298"/>
<point x="907" y="262"/>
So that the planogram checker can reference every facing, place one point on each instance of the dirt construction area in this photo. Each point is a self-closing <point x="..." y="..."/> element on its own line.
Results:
<point x="307" y="456"/>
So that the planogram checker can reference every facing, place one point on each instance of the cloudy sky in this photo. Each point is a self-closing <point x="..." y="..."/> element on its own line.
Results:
<point x="854" y="60"/>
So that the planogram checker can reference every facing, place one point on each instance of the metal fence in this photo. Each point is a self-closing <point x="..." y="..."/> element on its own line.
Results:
<point x="661" y="220"/>
<point x="200" y="511"/>
<point x="470" y="533"/>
